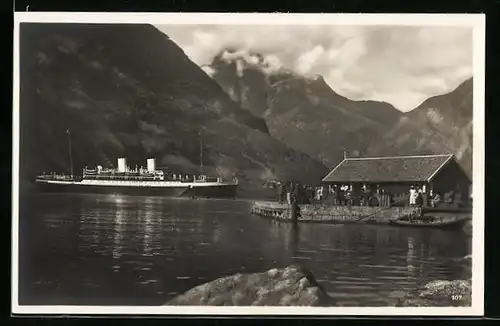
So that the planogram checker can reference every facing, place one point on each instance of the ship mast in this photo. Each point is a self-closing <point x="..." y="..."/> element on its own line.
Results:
<point x="68" y="132"/>
<point x="201" y="152"/>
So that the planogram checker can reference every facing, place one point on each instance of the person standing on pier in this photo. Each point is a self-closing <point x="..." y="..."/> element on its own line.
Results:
<point x="413" y="196"/>
<point x="435" y="199"/>
<point x="289" y="193"/>
<point x="341" y="196"/>
<point x="336" y="195"/>
<point x="296" y="193"/>
<point x="281" y="192"/>
<point x="419" y="201"/>
<point x="295" y="209"/>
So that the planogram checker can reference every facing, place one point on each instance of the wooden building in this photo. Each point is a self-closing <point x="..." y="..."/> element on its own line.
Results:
<point x="395" y="175"/>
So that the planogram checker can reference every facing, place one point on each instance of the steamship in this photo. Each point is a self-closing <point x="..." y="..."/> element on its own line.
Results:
<point x="139" y="181"/>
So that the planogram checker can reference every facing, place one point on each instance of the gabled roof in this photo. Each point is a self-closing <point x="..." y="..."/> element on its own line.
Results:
<point x="420" y="168"/>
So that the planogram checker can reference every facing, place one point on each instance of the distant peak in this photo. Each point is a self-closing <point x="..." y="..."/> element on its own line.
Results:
<point x="467" y="81"/>
<point x="267" y="64"/>
<point x="318" y="78"/>
<point x="230" y="55"/>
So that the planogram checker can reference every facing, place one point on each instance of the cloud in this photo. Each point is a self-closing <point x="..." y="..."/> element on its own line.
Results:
<point x="308" y="60"/>
<point x="402" y="65"/>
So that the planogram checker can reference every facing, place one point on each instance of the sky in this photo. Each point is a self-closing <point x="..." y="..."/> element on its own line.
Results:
<point x="401" y="65"/>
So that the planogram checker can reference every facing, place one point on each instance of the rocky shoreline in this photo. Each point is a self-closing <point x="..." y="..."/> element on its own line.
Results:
<point x="290" y="286"/>
<point x="439" y="293"/>
<point x="296" y="286"/>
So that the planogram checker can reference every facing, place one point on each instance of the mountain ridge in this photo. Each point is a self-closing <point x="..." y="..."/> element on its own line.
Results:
<point x="304" y="112"/>
<point x="129" y="90"/>
<point x="442" y="123"/>
<point x="308" y="115"/>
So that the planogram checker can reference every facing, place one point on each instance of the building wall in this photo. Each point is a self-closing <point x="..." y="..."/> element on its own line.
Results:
<point x="452" y="177"/>
<point x="399" y="191"/>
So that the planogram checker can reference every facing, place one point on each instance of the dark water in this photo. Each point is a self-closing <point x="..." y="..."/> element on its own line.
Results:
<point x="109" y="250"/>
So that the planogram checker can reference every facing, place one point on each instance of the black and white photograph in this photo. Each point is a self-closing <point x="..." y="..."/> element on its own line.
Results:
<point x="312" y="164"/>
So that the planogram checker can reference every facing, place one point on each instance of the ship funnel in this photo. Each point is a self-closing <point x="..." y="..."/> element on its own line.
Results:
<point x="151" y="165"/>
<point x="122" y="164"/>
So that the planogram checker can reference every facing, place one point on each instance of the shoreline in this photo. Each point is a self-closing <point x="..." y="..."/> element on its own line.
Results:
<point x="336" y="214"/>
<point x="295" y="285"/>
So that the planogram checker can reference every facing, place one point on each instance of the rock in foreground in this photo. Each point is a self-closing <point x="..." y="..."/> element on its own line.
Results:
<point x="290" y="286"/>
<point x="439" y="294"/>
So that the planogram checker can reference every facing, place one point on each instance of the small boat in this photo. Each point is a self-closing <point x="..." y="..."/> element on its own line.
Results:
<point x="459" y="210"/>
<point x="432" y="222"/>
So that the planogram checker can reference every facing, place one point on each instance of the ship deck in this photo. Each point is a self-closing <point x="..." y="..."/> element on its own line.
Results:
<point x="127" y="183"/>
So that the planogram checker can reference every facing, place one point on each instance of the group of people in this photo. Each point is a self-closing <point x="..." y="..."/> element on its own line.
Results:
<point x="336" y="195"/>
<point x="289" y="192"/>
<point x="417" y="197"/>
<point x="295" y="192"/>
<point x="366" y="196"/>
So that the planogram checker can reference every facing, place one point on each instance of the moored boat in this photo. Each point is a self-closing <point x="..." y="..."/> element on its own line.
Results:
<point x="139" y="181"/>
<point x="449" y="222"/>
<point x="142" y="182"/>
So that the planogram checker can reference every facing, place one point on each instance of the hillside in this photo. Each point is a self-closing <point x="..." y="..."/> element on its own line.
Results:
<point x="128" y="90"/>
<point x="306" y="114"/>
<point x="303" y="112"/>
<point x="441" y="124"/>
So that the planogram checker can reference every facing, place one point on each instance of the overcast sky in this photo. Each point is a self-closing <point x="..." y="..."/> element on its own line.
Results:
<point x="402" y="65"/>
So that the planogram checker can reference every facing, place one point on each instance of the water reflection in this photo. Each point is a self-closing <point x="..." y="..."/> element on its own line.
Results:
<point x="410" y="255"/>
<point x="294" y="239"/>
<point x="119" y="228"/>
<point x="146" y="212"/>
<point x="139" y="250"/>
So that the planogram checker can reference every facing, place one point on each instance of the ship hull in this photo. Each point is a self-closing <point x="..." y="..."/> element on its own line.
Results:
<point x="227" y="191"/>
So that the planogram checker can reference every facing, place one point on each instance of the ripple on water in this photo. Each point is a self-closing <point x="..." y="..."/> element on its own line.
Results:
<point x="147" y="282"/>
<point x="354" y="287"/>
<point x="382" y="266"/>
<point x="361" y="283"/>
<point x="336" y="249"/>
<point x="350" y="278"/>
<point x="183" y="277"/>
<point x="350" y="295"/>
<point x="398" y="271"/>
<point x="160" y="240"/>
<point x="395" y="278"/>
<point x="300" y="258"/>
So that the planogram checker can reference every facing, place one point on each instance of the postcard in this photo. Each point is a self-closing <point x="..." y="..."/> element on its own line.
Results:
<point x="248" y="164"/>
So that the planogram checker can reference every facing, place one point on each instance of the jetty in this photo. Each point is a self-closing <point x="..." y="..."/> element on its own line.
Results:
<point x="379" y="190"/>
<point x="331" y="213"/>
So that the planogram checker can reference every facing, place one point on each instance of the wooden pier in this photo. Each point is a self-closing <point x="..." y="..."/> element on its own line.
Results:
<point x="337" y="214"/>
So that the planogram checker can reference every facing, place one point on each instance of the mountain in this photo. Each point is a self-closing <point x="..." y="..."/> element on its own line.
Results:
<point x="303" y="112"/>
<point x="441" y="124"/>
<point x="306" y="114"/>
<point x="128" y="90"/>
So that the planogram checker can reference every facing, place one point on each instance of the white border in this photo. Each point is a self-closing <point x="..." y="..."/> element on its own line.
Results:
<point x="475" y="21"/>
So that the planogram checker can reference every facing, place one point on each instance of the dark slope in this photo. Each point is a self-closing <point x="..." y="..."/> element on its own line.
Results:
<point x="305" y="113"/>
<point x="128" y="90"/>
<point x="441" y="124"/>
